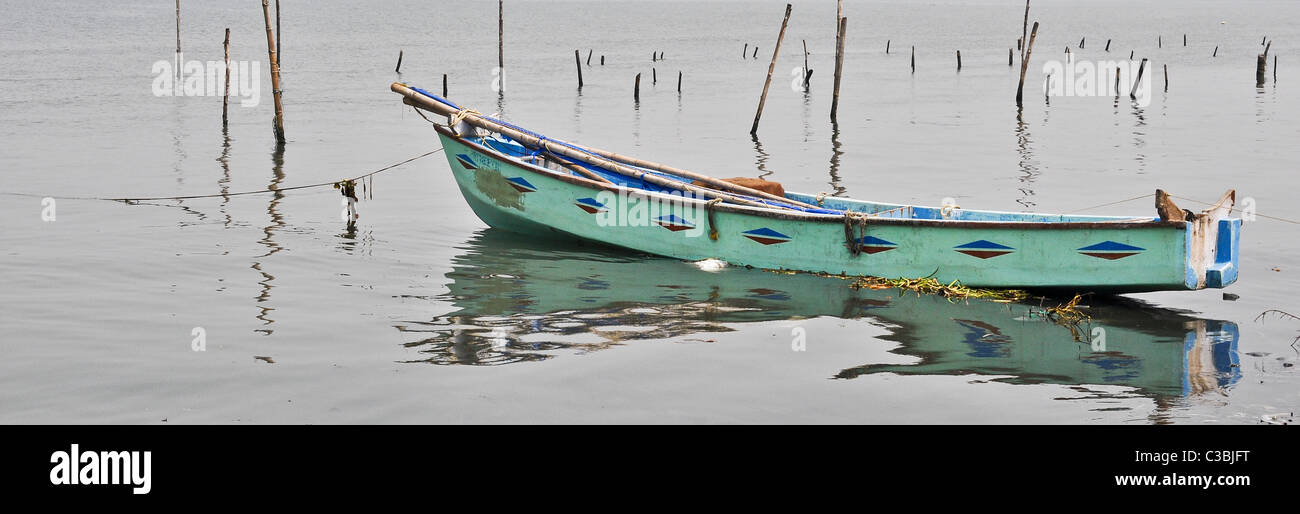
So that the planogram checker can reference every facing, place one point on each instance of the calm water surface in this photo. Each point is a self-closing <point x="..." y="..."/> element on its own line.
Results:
<point x="422" y="314"/>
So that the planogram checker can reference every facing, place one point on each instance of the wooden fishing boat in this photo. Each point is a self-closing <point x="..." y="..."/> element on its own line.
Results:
<point x="520" y="181"/>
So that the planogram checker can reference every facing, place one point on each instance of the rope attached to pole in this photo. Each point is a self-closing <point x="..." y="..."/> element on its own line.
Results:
<point x="334" y="184"/>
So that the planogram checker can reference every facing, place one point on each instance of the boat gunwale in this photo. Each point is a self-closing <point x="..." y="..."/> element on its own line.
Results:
<point x="776" y="213"/>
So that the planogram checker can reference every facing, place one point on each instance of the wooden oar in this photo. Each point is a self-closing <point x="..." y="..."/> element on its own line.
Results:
<point x="416" y="99"/>
<point x="718" y="183"/>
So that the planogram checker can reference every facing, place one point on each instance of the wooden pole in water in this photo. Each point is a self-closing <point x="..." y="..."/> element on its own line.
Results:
<point x="1160" y="42"/>
<point x="679" y="81"/>
<point x="1261" y="66"/>
<point x="225" y="101"/>
<point x="1141" y="68"/>
<point x="1275" y="69"/>
<point x="1107" y="45"/>
<point x="1024" y="61"/>
<point x="1216" y="51"/>
<point x="913" y="58"/>
<point x="1024" y="30"/>
<point x="839" y="14"/>
<point x="1184" y="39"/>
<point x="959" y="60"/>
<point x="1166" y="67"/>
<point x="1117" y="83"/>
<point x="805" y="65"/>
<point x="887" y="42"/>
<point x="654" y="76"/>
<point x="770" y="68"/>
<point x="839" y="67"/>
<point x="1081" y="43"/>
<point x="745" y="53"/>
<point x="279" y="49"/>
<point x="589" y="52"/>
<point x="602" y="60"/>
<point x="1130" y="55"/>
<point x="398" y="69"/>
<point x="577" y="61"/>
<point x="1011" y="55"/>
<point x="444" y="85"/>
<point x="501" y="43"/>
<point x="636" y="89"/>
<point x="755" y="51"/>
<point x="178" y="27"/>
<point x="275" y="74"/>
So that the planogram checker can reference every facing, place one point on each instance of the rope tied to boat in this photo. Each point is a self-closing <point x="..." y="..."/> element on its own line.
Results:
<point x="851" y="240"/>
<point x="820" y="197"/>
<point x="459" y="116"/>
<point x="708" y="207"/>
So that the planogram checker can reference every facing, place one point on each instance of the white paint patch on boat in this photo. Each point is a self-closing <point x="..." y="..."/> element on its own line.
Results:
<point x="710" y="265"/>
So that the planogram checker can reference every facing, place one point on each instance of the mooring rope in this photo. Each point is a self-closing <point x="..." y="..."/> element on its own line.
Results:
<point x="852" y="241"/>
<point x="1195" y="201"/>
<point x="1148" y="195"/>
<point x="240" y="193"/>
<point x="713" y="226"/>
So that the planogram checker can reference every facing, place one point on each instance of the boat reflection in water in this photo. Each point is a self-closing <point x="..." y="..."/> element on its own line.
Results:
<point x="523" y="300"/>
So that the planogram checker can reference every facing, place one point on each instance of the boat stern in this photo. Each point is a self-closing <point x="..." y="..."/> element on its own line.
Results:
<point x="1213" y="246"/>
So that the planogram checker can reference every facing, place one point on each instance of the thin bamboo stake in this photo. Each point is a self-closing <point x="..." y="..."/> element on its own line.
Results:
<point x="636" y="89"/>
<point x="1081" y="43"/>
<point x="805" y="65"/>
<point x="770" y="68"/>
<point x="1024" y="61"/>
<point x="839" y="14"/>
<point x="679" y="81"/>
<point x="1011" y="55"/>
<point x="913" y="58"/>
<point x="839" y="67"/>
<point x="887" y="46"/>
<point x="1024" y="30"/>
<point x="1216" y="51"/>
<point x="654" y="76"/>
<point x="1141" y="67"/>
<point x="275" y="74"/>
<point x="398" y="69"/>
<point x="501" y="43"/>
<point x="745" y="52"/>
<point x="225" y="100"/>
<point x="1117" y="83"/>
<point x="577" y="61"/>
<point x="279" y="48"/>
<point x="178" y="27"/>
<point x="444" y="85"/>
<point x="1166" y="67"/>
<point x="959" y="60"/>
<point x="1107" y="45"/>
<point x="589" y="52"/>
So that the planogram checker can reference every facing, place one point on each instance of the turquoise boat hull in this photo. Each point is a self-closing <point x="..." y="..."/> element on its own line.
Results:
<point x="977" y="248"/>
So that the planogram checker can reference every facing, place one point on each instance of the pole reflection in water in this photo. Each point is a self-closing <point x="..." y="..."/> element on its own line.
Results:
<point x="834" y="168"/>
<point x="760" y="160"/>
<point x="277" y="222"/>
<point x="1028" y="165"/>
<point x="517" y="300"/>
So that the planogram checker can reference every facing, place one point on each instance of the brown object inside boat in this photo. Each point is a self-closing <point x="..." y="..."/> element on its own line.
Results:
<point x="766" y="186"/>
